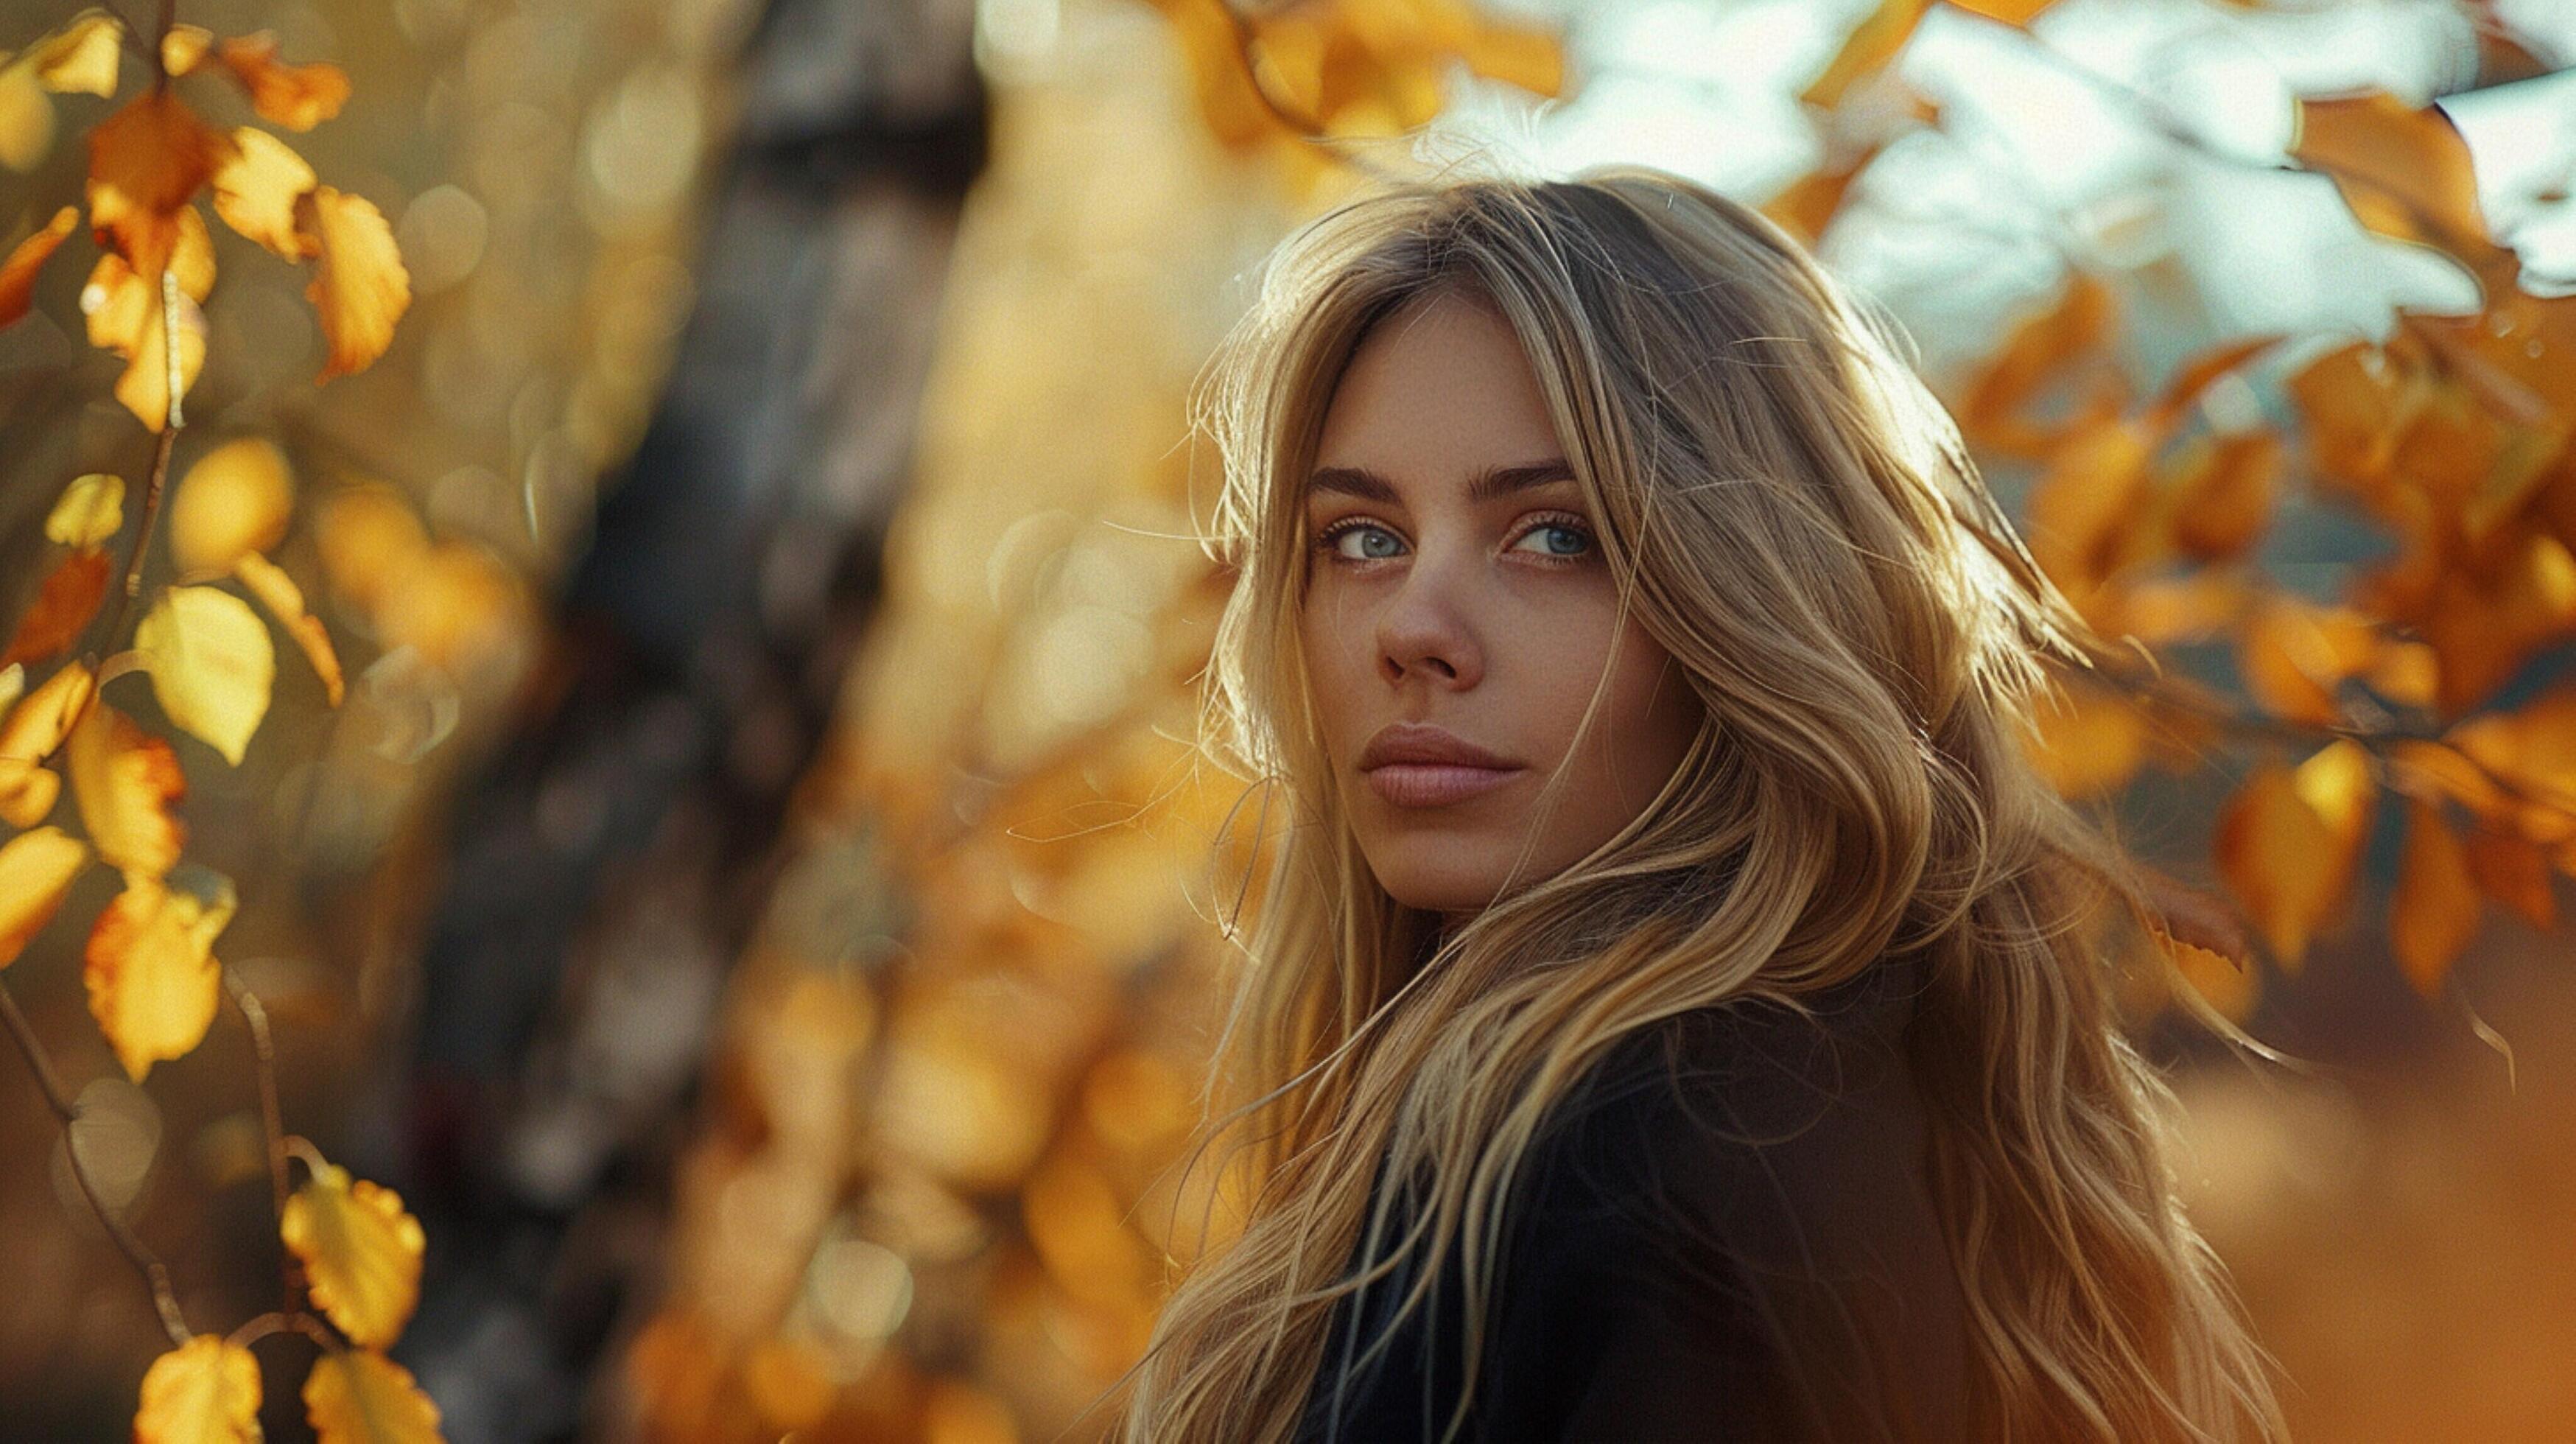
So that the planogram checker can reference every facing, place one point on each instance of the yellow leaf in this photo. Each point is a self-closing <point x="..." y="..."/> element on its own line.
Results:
<point x="359" y="288"/>
<point x="145" y="162"/>
<point x="361" y="1253"/>
<point x="236" y="499"/>
<point x="150" y="967"/>
<point x="144" y="389"/>
<point x="2515" y="872"/>
<point x="80" y="56"/>
<point x="2435" y="910"/>
<point x="35" y="727"/>
<point x="212" y="665"/>
<point x="277" y="591"/>
<point x="185" y="47"/>
<point x="90" y="510"/>
<point x="26" y="119"/>
<point x="257" y="187"/>
<point x="126" y="781"/>
<point x="2089" y="743"/>
<point x="27" y="259"/>
<point x="36" y="869"/>
<point x="371" y="540"/>
<point x="295" y="96"/>
<point x="205" y="1391"/>
<point x="13" y="685"/>
<point x="2223" y="499"/>
<point x="2229" y="986"/>
<point x="361" y="1397"/>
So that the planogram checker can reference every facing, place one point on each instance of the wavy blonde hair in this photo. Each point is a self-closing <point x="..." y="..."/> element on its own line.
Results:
<point x="1790" y="514"/>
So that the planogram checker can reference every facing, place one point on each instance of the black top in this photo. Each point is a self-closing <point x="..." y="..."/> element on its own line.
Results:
<point x="1723" y="1232"/>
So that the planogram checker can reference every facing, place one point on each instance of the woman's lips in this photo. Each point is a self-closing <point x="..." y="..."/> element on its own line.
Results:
<point x="1426" y="784"/>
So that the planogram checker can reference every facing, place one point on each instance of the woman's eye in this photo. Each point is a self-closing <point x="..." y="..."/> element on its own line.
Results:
<point x="1558" y="539"/>
<point x="1376" y="542"/>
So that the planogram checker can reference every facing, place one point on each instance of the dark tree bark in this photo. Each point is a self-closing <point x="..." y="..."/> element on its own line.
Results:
<point x="610" y="860"/>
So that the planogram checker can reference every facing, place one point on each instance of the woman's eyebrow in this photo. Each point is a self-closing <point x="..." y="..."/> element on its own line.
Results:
<point x="1494" y="482"/>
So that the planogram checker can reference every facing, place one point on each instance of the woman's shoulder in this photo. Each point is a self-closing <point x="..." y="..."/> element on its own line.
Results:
<point x="1757" y="1179"/>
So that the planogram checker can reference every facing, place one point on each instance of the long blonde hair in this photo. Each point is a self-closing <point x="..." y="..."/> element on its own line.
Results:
<point x="1790" y="514"/>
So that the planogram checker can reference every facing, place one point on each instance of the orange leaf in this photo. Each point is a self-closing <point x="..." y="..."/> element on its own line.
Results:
<point x="361" y="1253"/>
<point x="2079" y="321"/>
<point x="26" y="259"/>
<point x="36" y="869"/>
<point x="257" y="187"/>
<point x="235" y="499"/>
<point x="1871" y="45"/>
<point x="357" y="1396"/>
<point x="2089" y="745"/>
<point x="2224" y="499"/>
<point x="2294" y="653"/>
<point x="150" y="968"/>
<point x="2280" y="860"/>
<point x="2435" y="910"/>
<point x="298" y="97"/>
<point x="2380" y="150"/>
<point x="69" y="598"/>
<point x="2195" y="375"/>
<point x="360" y="288"/>
<point x="277" y="591"/>
<point x="2515" y="872"/>
<point x="2228" y="985"/>
<point x="2080" y="504"/>
<point x="2010" y="12"/>
<point x="145" y="162"/>
<point x="205" y="1391"/>
<point x="126" y="781"/>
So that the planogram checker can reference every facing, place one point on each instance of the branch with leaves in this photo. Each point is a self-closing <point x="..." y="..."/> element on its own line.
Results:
<point x="350" y="1254"/>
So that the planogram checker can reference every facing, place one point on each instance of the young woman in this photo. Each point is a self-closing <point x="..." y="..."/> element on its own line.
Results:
<point x="1670" y="1013"/>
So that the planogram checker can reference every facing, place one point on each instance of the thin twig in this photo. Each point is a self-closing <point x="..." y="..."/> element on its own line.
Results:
<point x="155" y="1277"/>
<point x="271" y="1122"/>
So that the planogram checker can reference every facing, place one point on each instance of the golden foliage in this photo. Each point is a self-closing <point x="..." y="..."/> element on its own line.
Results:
<point x="150" y="968"/>
<point x="361" y="1253"/>
<point x="126" y="781"/>
<point x="211" y="663"/>
<point x="358" y="1396"/>
<point x="36" y="869"/>
<point x="206" y="1391"/>
<point x="27" y="258"/>
<point x="236" y="499"/>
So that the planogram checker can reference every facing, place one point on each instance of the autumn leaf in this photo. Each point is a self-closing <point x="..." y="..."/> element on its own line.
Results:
<point x="256" y="189"/>
<point x="2225" y="491"/>
<point x="64" y="604"/>
<point x="2405" y="172"/>
<point x="36" y="869"/>
<point x="298" y="97"/>
<point x="205" y="1391"/>
<point x="2284" y="860"/>
<point x="80" y="56"/>
<point x="26" y="259"/>
<point x="144" y="389"/>
<point x="185" y="47"/>
<point x="34" y="728"/>
<point x="359" y="288"/>
<point x="2225" y="984"/>
<point x="236" y="499"/>
<point x="2436" y="908"/>
<point x="89" y="512"/>
<point x="2293" y="654"/>
<point x="145" y="162"/>
<point x="357" y="1396"/>
<point x="2089" y="743"/>
<point x="277" y="591"/>
<point x="127" y="781"/>
<point x="2515" y="872"/>
<point x="1871" y="45"/>
<point x="122" y="306"/>
<point x="212" y="665"/>
<point x="150" y="967"/>
<point x="361" y="1252"/>
<point x="2040" y="347"/>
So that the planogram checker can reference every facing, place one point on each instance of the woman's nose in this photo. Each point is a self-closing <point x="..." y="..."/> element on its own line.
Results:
<point x="1425" y="628"/>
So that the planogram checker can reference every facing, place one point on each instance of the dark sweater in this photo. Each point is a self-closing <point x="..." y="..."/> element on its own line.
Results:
<point x="1723" y="1232"/>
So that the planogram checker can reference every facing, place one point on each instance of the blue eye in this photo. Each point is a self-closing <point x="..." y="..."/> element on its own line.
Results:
<point x="1333" y="540"/>
<point x="1557" y="532"/>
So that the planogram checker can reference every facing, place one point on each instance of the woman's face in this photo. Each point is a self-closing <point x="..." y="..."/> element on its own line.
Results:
<point x="1455" y="583"/>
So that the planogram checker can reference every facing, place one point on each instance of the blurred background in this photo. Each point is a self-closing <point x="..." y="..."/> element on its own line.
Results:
<point x="756" y="901"/>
